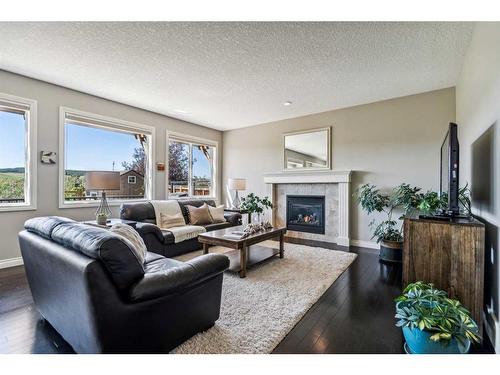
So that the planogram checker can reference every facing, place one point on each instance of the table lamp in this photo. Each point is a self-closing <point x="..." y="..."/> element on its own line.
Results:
<point x="102" y="180"/>
<point x="236" y="184"/>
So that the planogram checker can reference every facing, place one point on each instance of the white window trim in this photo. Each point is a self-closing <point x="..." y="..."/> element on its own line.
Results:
<point x="191" y="139"/>
<point x="134" y="179"/>
<point x="109" y="123"/>
<point x="30" y="155"/>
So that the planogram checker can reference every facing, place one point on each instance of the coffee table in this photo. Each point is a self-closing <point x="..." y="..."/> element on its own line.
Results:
<point x="246" y="253"/>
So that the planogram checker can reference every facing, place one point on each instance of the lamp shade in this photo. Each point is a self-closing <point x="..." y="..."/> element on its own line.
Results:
<point x="237" y="183"/>
<point x="102" y="180"/>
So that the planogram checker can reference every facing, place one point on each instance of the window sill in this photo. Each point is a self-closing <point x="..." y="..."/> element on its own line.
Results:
<point x="192" y="197"/>
<point x="96" y="203"/>
<point x="14" y="208"/>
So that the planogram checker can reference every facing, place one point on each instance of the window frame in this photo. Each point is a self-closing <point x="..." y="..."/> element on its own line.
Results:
<point x="30" y="153"/>
<point x="133" y="181"/>
<point x="184" y="138"/>
<point x="113" y="124"/>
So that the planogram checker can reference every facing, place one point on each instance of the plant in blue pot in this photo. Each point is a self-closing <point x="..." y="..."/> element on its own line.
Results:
<point x="433" y="323"/>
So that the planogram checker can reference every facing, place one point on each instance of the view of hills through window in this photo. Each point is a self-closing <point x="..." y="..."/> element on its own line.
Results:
<point x="90" y="148"/>
<point x="12" y="157"/>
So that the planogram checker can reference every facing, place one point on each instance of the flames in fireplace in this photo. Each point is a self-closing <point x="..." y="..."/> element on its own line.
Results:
<point x="311" y="219"/>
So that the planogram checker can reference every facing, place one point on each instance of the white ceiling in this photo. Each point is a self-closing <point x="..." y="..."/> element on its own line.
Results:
<point x="230" y="75"/>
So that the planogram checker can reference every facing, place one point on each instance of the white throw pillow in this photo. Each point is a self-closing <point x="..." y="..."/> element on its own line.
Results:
<point x="135" y="241"/>
<point x="217" y="213"/>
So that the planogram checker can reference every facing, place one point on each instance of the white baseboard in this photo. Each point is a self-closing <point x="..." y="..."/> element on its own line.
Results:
<point x="12" y="262"/>
<point x="342" y="241"/>
<point x="367" y="244"/>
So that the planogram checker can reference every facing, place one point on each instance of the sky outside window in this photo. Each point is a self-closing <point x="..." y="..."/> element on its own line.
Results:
<point x="12" y="139"/>
<point x="94" y="149"/>
<point x="201" y="165"/>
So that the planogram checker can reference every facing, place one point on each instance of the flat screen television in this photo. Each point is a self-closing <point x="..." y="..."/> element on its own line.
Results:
<point x="448" y="186"/>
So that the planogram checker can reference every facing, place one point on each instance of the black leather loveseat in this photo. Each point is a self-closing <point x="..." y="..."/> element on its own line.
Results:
<point x="88" y="284"/>
<point x="162" y="241"/>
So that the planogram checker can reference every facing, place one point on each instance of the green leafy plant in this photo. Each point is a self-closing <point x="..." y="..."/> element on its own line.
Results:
<point x="431" y="202"/>
<point x="404" y="197"/>
<point x="254" y="204"/>
<point x="424" y="307"/>
<point x="464" y="199"/>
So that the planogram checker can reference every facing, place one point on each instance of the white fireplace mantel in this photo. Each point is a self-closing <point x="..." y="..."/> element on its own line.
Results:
<point x="330" y="177"/>
<point x="342" y="178"/>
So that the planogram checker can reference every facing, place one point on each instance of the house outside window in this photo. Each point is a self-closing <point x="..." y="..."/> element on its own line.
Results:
<point x="191" y="167"/>
<point x="18" y="153"/>
<point x="94" y="143"/>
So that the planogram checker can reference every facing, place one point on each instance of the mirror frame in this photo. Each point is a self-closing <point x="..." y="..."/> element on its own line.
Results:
<point x="329" y="150"/>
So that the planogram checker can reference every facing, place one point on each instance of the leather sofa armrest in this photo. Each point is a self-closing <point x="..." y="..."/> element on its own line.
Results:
<point x="233" y="217"/>
<point x="148" y="228"/>
<point x="160" y="284"/>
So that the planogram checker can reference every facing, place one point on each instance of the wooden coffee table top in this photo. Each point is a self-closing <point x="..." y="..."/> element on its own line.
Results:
<point x="246" y="253"/>
<point x="216" y="237"/>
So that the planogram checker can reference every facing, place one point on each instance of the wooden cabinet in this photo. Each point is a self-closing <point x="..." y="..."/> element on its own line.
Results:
<point x="449" y="254"/>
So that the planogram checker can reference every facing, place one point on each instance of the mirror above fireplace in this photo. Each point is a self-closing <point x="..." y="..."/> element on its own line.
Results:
<point x="307" y="150"/>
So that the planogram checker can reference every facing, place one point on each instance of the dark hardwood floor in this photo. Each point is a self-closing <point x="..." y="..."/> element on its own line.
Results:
<point x="355" y="315"/>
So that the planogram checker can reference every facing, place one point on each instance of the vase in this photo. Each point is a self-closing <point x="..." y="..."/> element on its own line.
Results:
<point x="256" y="218"/>
<point x="419" y="342"/>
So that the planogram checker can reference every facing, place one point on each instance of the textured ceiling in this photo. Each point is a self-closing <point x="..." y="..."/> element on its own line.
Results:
<point x="230" y="75"/>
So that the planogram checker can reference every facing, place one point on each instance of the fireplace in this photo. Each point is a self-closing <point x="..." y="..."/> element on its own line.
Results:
<point x="305" y="213"/>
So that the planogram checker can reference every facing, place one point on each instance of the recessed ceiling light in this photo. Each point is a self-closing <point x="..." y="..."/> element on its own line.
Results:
<point x="287" y="103"/>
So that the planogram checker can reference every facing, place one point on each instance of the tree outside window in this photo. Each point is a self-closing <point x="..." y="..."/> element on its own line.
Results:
<point x="191" y="169"/>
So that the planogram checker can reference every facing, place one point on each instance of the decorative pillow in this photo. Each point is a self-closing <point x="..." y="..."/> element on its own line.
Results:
<point x="217" y="213"/>
<point x="170" y="221"/>
<point x="136" y="242"/>
<point x="199" y="215"/>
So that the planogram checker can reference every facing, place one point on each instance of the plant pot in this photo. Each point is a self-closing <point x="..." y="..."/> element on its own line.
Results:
<point x="419" y="342"/>
<point x="391" y="251"/>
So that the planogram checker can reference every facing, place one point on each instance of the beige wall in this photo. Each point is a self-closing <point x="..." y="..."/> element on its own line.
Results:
<point x="478" y="111"/>
<point x="49" y="98"/>
<point x="386" y="143"/>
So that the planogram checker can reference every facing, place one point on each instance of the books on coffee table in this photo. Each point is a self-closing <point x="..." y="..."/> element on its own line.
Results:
<point x="236" y="235"/>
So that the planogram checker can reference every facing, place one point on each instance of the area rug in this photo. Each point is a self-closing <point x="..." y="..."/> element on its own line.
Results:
<point x="258" y="311"/>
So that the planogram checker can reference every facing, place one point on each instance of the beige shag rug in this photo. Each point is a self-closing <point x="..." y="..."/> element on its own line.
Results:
<point x="258" y="311"/>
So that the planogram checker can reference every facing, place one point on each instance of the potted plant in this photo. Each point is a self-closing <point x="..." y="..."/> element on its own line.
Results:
<point x="432" y="323"/>
<point x="254" y="204"/>
<point x="389" y="232"/>
<point x="431" y="202"/>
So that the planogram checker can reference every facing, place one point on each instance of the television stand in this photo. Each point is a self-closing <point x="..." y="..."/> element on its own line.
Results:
<point x="448" y="253"/>
<point x="445" y="217"/>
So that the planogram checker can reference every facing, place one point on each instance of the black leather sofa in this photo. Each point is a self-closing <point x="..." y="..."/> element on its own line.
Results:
<point x="162" y="241"/>
<point x="88" y="284"/>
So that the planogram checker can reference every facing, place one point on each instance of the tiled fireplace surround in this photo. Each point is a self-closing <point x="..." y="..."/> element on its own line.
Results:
<point x="334" y="185"/>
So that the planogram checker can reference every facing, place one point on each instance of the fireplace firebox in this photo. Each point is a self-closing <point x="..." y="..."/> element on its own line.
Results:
<point x="305" y="213"/>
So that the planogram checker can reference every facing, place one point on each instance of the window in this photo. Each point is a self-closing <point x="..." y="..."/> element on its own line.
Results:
<point x="113" y="148"/>
<point x="17" y="153"/>
<point x="191" y="167"/>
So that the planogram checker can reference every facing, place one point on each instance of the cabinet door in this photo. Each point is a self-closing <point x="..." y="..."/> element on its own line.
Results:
<point x="427" y="253"/>
<point x="467" y="276"/>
